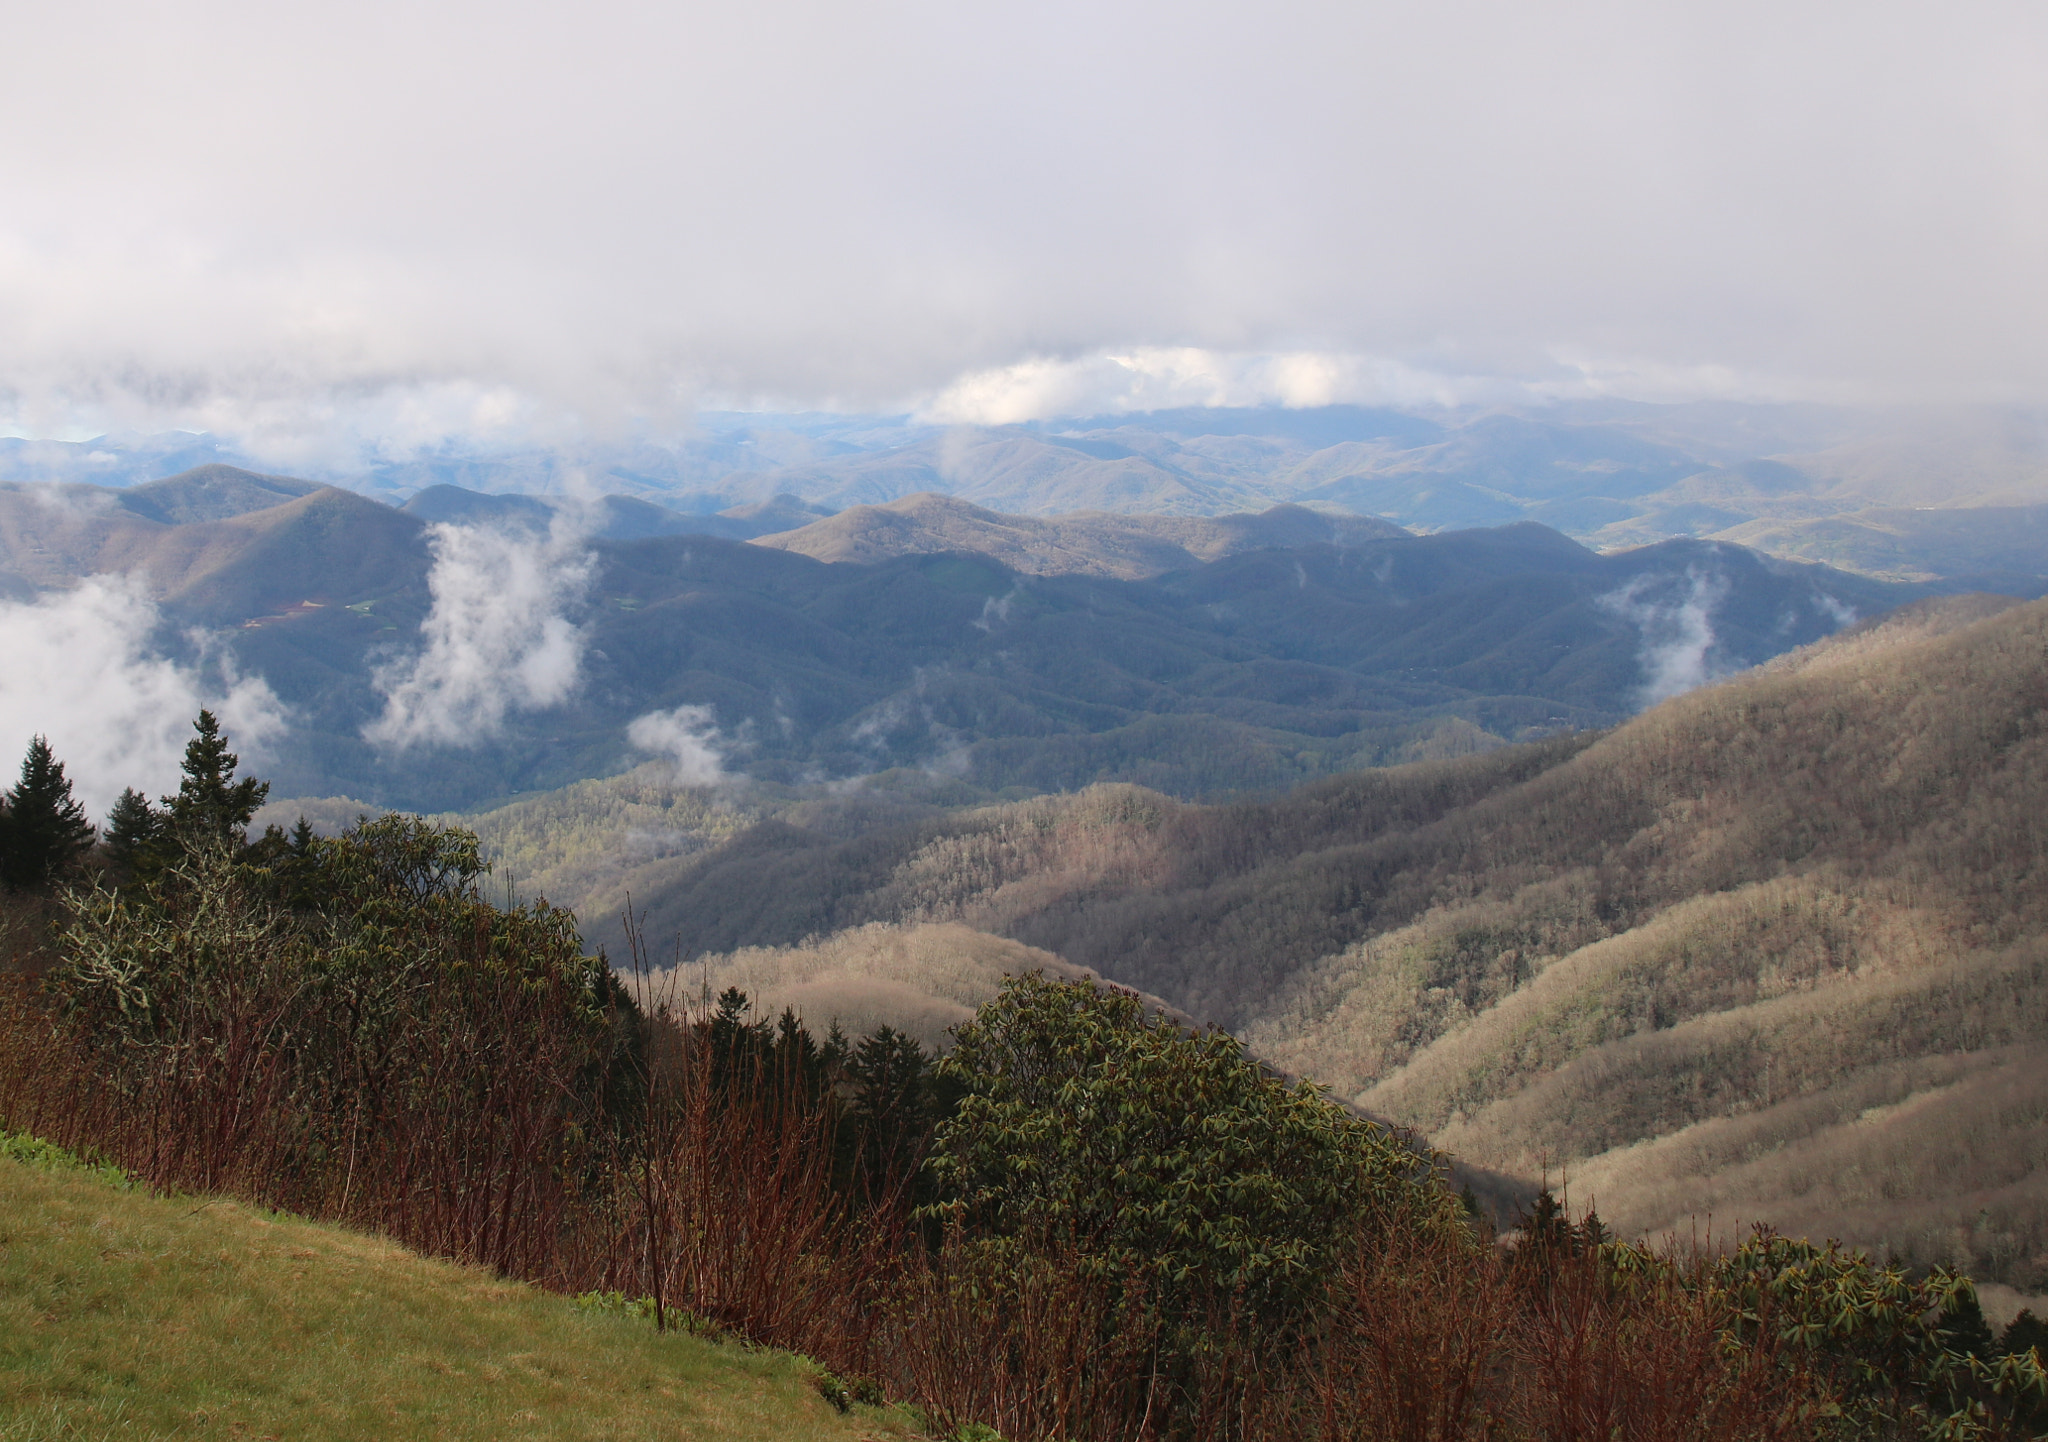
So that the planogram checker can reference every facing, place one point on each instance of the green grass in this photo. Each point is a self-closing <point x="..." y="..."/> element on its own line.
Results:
<point x="124" y="1314"/>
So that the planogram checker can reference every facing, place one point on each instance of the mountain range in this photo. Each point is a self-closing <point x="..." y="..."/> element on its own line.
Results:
<point x="1254" y="670"/>
<point x="1086" y="543"/>
<point x="1613" y="474"/>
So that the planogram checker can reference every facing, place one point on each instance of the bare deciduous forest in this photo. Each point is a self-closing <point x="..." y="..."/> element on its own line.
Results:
<point x="1771" y="951"/>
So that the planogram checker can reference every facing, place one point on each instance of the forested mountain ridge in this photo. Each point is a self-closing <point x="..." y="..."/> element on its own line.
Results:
<point x="1777" y="949"/>
<point x="1274" y="663"/>
<point x="1090" y="543"/>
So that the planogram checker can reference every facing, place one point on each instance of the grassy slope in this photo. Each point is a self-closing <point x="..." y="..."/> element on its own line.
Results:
<point x="123" y="1314"/>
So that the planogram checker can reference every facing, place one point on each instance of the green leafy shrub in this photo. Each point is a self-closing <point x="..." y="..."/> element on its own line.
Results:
<point x="1880" y="1353"/>
<point x="1162" y="1155"/>
<point x="834" y="1391"/>
<point x="352" y="998"/>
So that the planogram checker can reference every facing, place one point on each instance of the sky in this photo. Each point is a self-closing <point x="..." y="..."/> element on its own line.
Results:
<point x="378" y="228"/>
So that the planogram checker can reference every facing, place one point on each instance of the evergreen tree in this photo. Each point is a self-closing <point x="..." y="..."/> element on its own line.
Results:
<point x="1967" y="1331"/>
<point x="135" y="834"/>
<point x="211" y="805"/>
<point x="892" y="1103"/>
<point x="46" y="828"/>
<point x="1546" y="1228"/>
<point x="2025" y="1332"/>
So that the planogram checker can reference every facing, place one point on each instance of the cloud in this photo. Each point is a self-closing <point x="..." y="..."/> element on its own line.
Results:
<point x="1166" y="378"/>
<point x="122" y="720"/>
<point x="996" y="612"/>
<point x="1675" y="619"/>
<point x="497" y="639"/>
<point x="1100" y="208"/>
<point x="687" y="736"/>
<point x="1834" y="608"/>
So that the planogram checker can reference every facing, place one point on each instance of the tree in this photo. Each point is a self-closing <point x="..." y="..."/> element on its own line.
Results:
<point x="890" y="1104"/>
<point x="1163" y="1154"/>
<point x="46" y="829"/>
<point x="135" y="835"/>
<point x="211" y="805"/>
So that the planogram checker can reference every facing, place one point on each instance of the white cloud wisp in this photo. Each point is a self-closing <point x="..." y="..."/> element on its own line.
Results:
<point x="1677" y="630"/>
<point x="497" y="639"/>
<point x="689" y="738"/>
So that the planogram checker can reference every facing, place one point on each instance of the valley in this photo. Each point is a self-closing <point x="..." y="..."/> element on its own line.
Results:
<point x="1770" y="951"/>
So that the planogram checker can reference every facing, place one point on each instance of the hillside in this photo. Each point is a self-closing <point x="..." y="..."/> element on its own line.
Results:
<point x="1087" y="543"/>
<point x="124" y="1312"/>
<point x="1997" y="543"/>
<point x="1777" y="949"/>
<point x="226" y="545"/>
<point x="211" y="493"/>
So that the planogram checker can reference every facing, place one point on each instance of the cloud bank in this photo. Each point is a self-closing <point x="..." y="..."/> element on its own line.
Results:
<point x="124" y="718"/>
<point x="958" y="206"/>
<point x="496" y="640"/>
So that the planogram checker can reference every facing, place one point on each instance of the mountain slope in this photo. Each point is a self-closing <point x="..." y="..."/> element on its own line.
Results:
<point x="1084" y="544"/>
<point x="211" y="493"/>
<point x="1779" y="946"/>
<point x="332" y="547"/>
<point x="2009" y="543"/>
<point x="179" y="531"/>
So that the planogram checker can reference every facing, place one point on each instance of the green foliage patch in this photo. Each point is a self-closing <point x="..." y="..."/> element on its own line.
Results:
<point x="1161" y="1156"/>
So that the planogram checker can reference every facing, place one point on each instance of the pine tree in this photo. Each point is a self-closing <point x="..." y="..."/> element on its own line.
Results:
<point x="2024" y="1332"/>
<point x="46" y="828"/>
<point x="211" y="805"/>
<point x="1967" y="1330"/>
<point x="135" y="834"/>
<point x="1547" y="1227"/>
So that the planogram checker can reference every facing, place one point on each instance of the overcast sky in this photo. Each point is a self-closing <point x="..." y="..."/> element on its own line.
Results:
<point x="419" y="221"/>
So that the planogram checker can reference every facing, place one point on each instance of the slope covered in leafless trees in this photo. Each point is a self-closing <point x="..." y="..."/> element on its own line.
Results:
<point x="1776" y="949"/>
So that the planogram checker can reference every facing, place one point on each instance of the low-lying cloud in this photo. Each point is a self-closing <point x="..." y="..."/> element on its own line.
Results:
<point x="83" y="669"/>
<point x="498" y="638"/>
<point x="689" y="738"/>
<point x="1676" y="622"/>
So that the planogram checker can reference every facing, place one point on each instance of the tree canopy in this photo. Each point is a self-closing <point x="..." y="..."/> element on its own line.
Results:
<point x="211" y="804"/>
<point x="44" y="830"/>
<point x="1161" y="1153"/>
